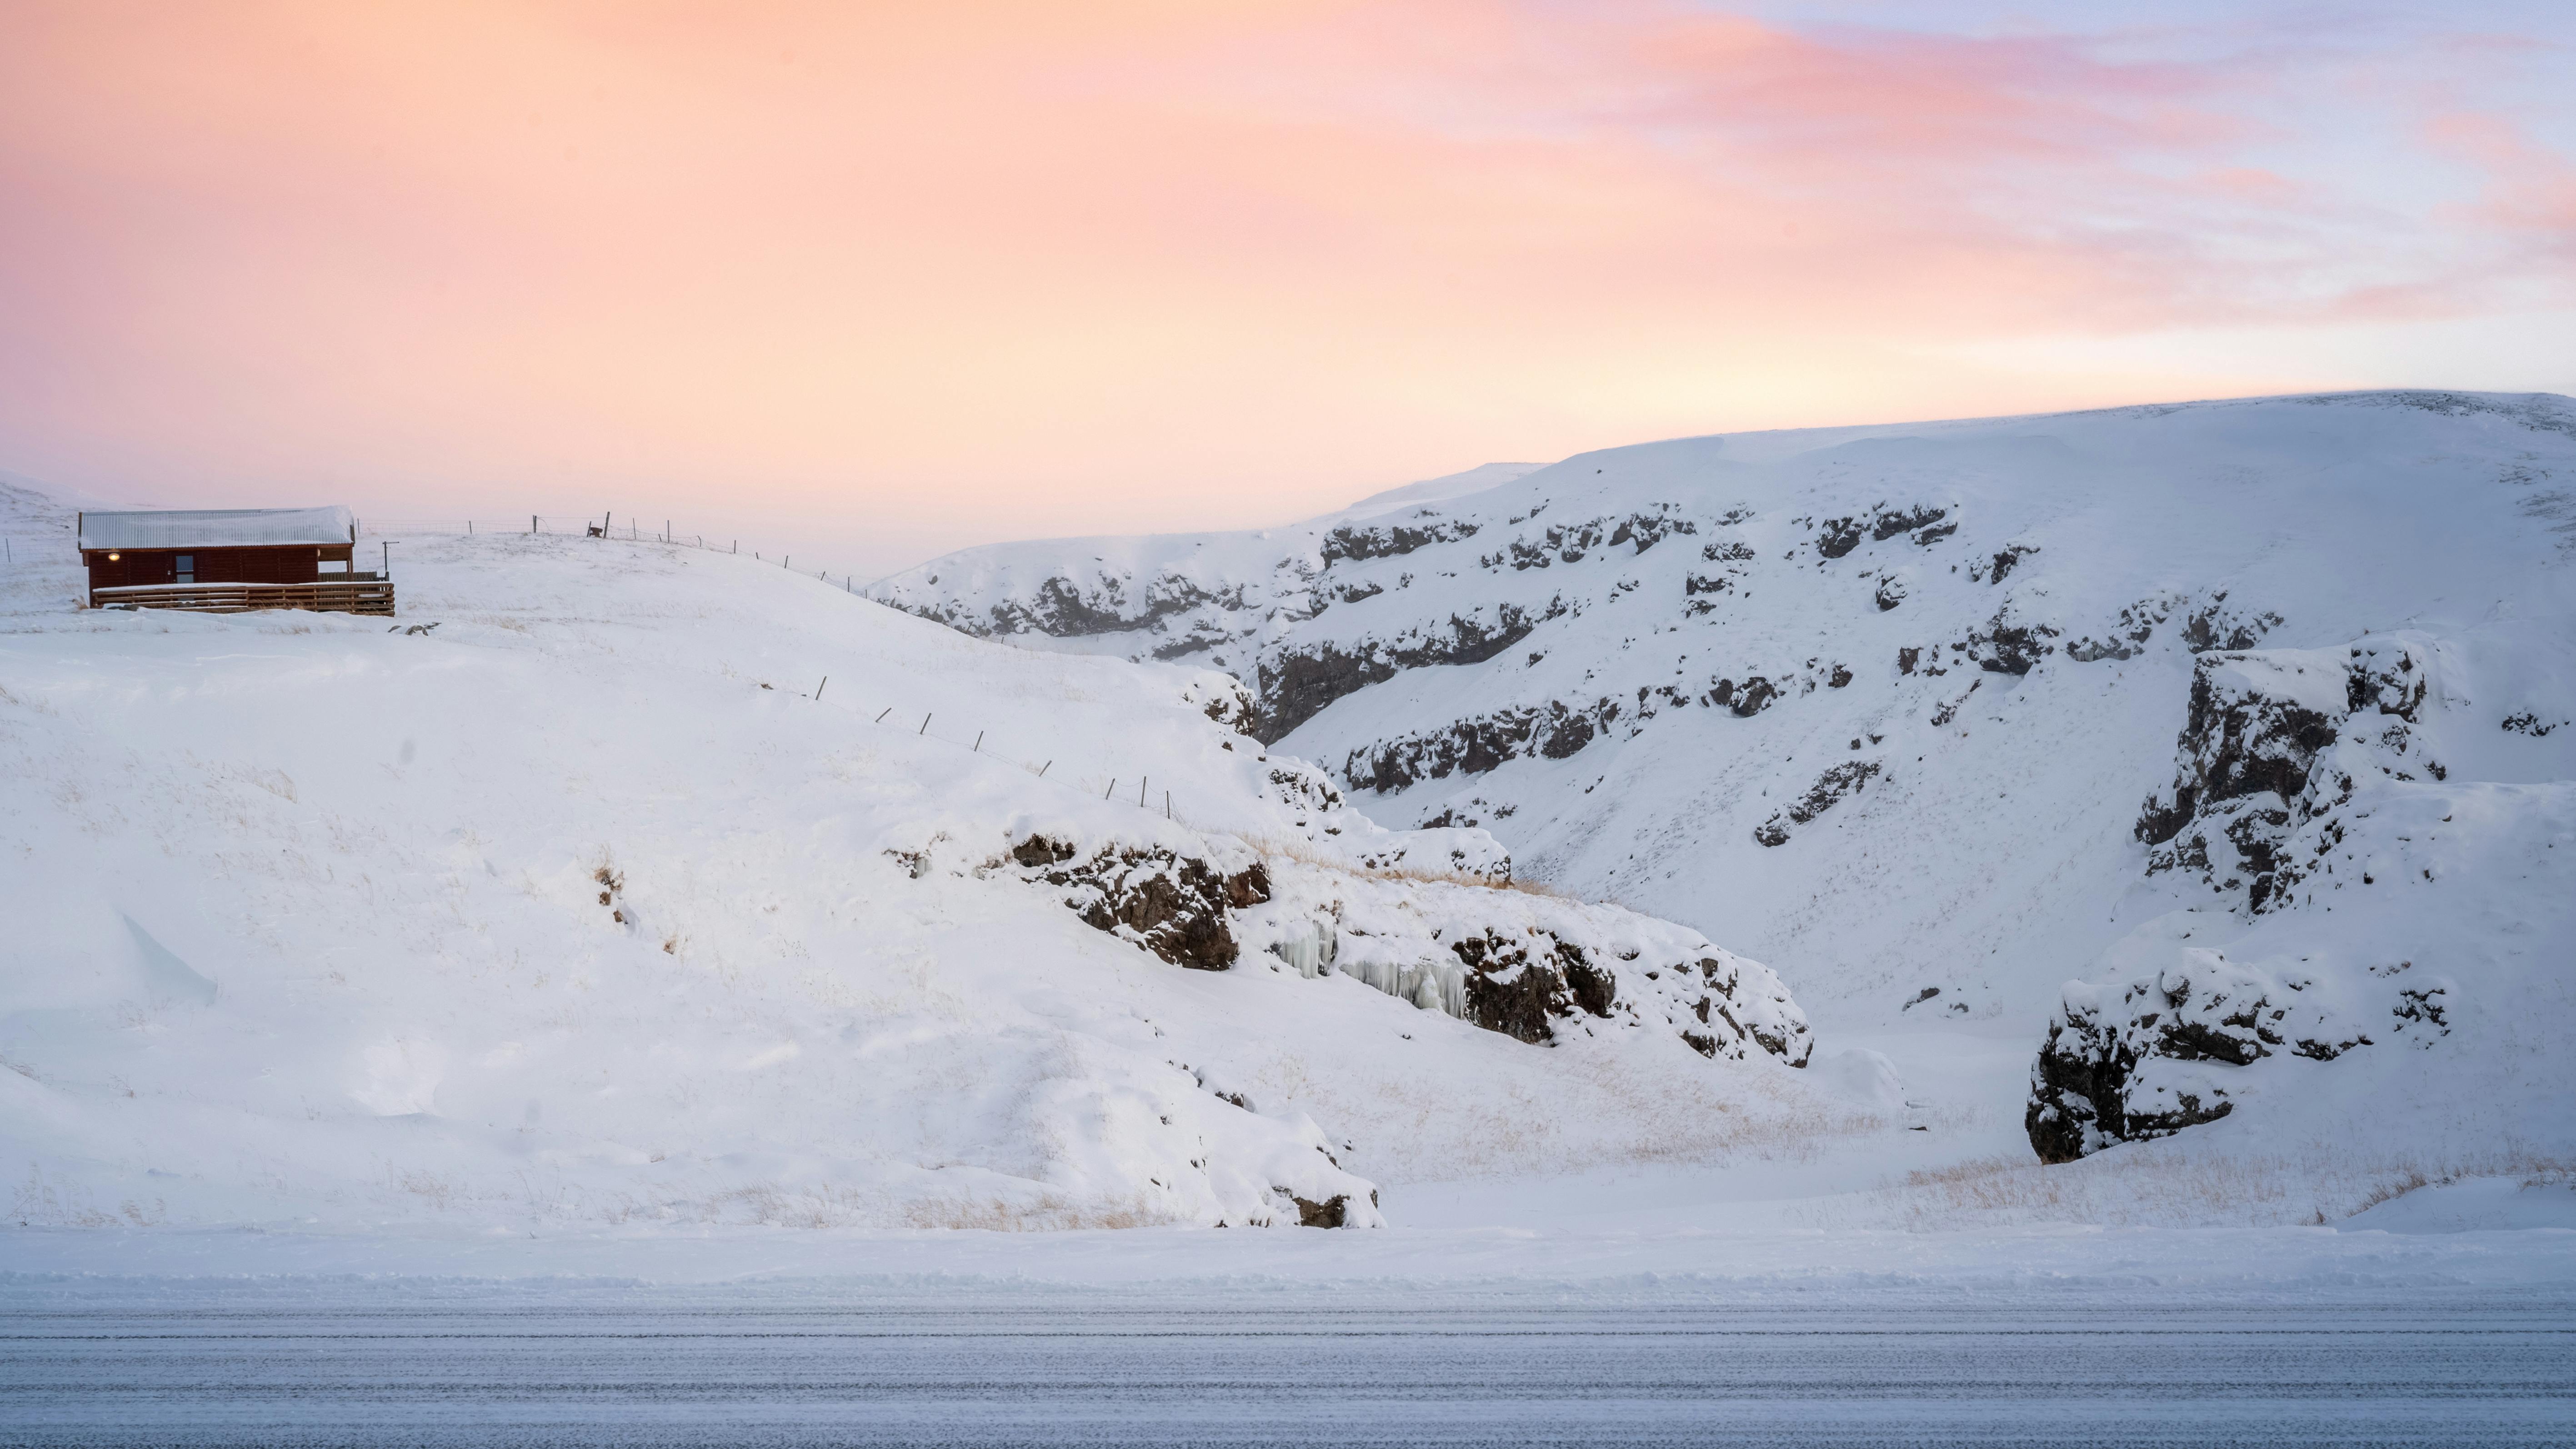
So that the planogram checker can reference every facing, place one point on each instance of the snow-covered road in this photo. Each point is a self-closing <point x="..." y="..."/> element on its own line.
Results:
<point x="418" y="1362"/>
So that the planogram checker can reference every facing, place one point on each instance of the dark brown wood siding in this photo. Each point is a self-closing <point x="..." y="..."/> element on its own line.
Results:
<point x="297" y="564"/>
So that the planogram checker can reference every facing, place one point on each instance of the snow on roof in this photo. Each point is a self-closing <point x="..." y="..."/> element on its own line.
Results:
<point x="215" y="527"/>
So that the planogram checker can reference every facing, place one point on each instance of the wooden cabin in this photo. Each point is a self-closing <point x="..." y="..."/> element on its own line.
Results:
<point x="229" y="561"/>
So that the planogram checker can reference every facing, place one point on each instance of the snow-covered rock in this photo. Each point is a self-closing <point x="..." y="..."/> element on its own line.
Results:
<point x="651" y="886"/>
<point x="1876" y="705"/>
<point x="2399" y="903"/>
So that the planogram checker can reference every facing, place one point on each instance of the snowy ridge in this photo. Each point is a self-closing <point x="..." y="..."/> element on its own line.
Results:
<point x="1877" y="705"/>
<point x="617" y="884"/>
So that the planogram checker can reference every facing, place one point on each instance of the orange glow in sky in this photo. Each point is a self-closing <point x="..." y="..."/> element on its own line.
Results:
<point x="905" y="278"/>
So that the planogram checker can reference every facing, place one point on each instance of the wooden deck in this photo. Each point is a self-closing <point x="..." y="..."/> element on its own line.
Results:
<point x="353" y="596"/>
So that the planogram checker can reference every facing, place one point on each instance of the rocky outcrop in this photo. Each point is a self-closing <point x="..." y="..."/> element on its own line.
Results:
<point x="1298" y="683"/>
<point x="1829" y="790"/>
<point x="2147" y="1058"/>
<point x="1355" y="541"/>
<point x="1172" y="905"/>
<point x="1480" y="743"/>
<point x="1435" y="931"/>
<point x="2273" y="749"/>
<point x="1511" y="992"/>
<point x="1571" y="543"/>
<point x="2008" y="645"/>
<point x="1837" y="537"/>
<point x="2269" y="751"/>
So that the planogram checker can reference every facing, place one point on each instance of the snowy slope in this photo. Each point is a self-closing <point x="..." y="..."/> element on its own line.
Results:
<point x="622" y="884"/>
<point x="1881" y="705"/>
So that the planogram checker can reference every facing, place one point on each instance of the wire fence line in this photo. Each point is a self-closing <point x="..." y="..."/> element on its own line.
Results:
<point x="25" y="548"/>
<point x="626" y="529"/>
<point x="1145" y="795"/>
<point x="37" y="545"/>
<point x="633" y="530"/>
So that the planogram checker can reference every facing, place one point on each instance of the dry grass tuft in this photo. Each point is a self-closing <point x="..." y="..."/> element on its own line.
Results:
<point x="1305" y="852"/>
<point x="2173" y="1184"/>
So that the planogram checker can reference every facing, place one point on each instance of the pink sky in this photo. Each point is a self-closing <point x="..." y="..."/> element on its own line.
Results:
<point x="901" y="282"/>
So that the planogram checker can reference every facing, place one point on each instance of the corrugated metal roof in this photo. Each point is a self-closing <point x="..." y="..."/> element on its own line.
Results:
<point x="215" y="528"/>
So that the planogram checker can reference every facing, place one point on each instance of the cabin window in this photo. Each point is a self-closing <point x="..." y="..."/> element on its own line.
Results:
<point x="332" y="566"/>
<point x="186" y="564"/>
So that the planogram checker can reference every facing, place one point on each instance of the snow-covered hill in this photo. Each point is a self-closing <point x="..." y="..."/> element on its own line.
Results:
<point x="2254" y="715"/>
<point x="615" y="883"/>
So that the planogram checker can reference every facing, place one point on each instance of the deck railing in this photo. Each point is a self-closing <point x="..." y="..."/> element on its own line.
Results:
<point x="336" y="596"/>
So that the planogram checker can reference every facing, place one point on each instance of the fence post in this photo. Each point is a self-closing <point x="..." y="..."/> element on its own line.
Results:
<point x="979" y="742"/>
<point x="818" y="689"/>
<point x="1167" y="804"/>
<point x="925" y="726"/>
<point x="1140" y="790"/>
<point x="1042" y="769"/>
<point x="532" y="525"/>
<point x="1113" y="784"/>
<point x="881" y="714"/>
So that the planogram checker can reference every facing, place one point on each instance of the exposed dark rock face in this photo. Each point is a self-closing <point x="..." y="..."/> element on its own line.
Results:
<point x="1837" y="537"/>
<point x="1517" y="985"/>
<point x="1331" y="1213"/>
<point x="1474" y="746"/>
<point x="1515" y="1005"/>
<point x="1569" y="543"/>
<point x="2089" y="650"/>
<point x="1172" y="905"/>
<point x="2210" y="626"/>
<point x="1299" y="683"/>
<point x="1891" y="522"/>
<point x="1227" y="702"/>
<point x="1353" y="541"/>
<point x="2215" y="626"/>
<point x="1248" y="887"/>
<point x="1645" y="530"/>
<point x="1510" y="991"/>
<point x="1891" y="593"/>
<point x="2266" y="760"/>
<point x="1722" y="984"/>
<point x="2007" y="646"/>
<point x="2251" y="772"/>
<point x="1830" y="788"/>
<point x="1522" y="982"/>
<point x="2004" y="560"/>
<point x="2146" y="1060"/>
<point x="1062" y="608"/>
<point x="1745" y="700"/>
<point x="1593" y="987"/>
